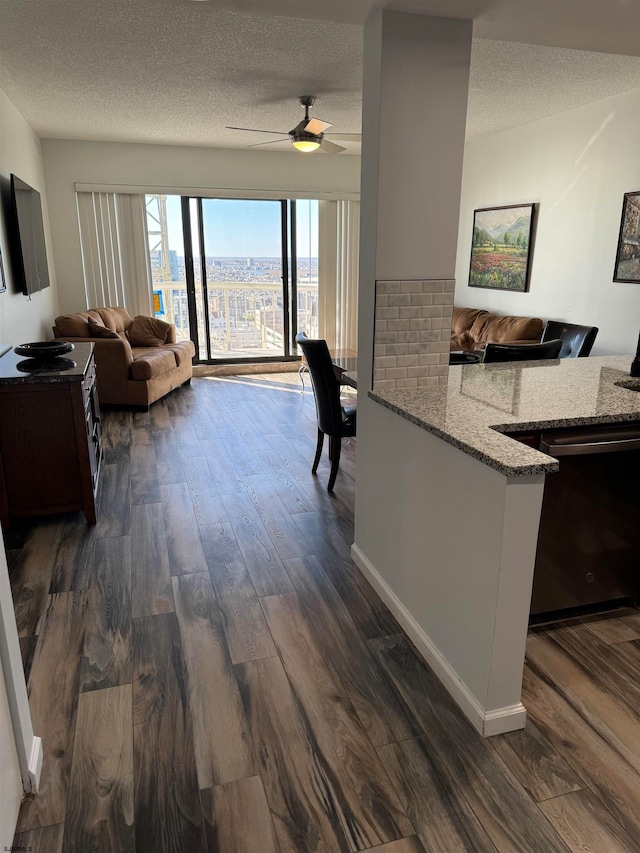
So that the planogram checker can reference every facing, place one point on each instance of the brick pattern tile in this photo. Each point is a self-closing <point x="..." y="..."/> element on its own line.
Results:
<point x="412" y="333"/>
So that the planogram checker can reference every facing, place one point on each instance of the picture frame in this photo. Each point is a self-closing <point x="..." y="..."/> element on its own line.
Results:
<point x="502" y="247"/>
<point x="627" y="266"/>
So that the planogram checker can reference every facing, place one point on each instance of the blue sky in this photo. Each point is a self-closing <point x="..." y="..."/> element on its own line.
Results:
<point x="245" y="228"/>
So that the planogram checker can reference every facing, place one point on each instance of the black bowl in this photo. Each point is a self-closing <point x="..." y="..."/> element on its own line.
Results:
<point x="44" y="349"/>
<point x="48" y="365"/>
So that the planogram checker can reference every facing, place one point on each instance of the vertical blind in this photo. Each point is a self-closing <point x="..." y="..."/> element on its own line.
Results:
<point x="115" y="256"/>
<point x="339" y="242"/>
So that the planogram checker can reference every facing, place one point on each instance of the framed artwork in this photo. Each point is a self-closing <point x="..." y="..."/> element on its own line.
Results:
<point x="3" y="281"/>
<point x="501" y="247"/>
<point x="628" y="255"/>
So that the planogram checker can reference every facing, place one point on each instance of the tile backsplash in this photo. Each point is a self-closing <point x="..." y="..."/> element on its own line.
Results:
<point x="412" y="333"/>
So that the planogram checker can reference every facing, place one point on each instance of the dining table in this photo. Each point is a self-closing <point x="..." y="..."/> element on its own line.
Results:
<point x="345" y="365"/>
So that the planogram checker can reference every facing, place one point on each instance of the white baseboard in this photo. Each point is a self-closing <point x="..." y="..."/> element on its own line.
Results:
<point x="503" y="720"/>
<point x="487" y="723"/>
<point x="35" y="764"/>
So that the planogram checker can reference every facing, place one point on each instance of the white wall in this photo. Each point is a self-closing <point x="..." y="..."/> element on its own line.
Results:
<point x="10" y="779"/>
<point x="22" y="318"/>
<point x="164" y="166"/>
<point x="577" y="166"/>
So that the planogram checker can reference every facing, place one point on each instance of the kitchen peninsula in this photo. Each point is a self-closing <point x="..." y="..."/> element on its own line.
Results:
<point x="453" y="552"/>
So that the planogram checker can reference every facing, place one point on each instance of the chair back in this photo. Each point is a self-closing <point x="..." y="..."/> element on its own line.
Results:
<point x="577" y="341"/>
<point x="521" y="352"/>
<point x="326" y="387"/>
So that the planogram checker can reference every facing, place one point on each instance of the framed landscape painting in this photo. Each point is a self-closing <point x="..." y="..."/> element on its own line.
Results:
<point x="501" y="247"/>
<point x="628" y="256"/>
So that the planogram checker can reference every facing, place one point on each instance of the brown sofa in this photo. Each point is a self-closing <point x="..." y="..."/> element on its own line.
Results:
<point x="138" y="360"/>
<point x="473" y="328"/>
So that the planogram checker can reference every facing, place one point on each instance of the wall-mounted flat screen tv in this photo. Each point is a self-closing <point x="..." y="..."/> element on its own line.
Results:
<point x="29" y="252"/>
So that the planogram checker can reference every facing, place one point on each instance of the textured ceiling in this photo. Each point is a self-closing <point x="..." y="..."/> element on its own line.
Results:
<point x="174" y="71"/>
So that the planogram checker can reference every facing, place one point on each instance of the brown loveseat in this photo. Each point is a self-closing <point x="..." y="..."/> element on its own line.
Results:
<point x="137" y="360"/>
<point x="473" y="328"/>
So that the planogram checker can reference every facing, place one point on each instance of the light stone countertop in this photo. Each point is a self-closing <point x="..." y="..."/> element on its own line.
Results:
<point x="350" y="377"/>
<point x="483" y="401"/>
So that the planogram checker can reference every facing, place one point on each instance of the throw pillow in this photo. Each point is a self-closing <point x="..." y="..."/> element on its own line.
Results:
<point x="97" y="329"/>
<point x="148" y="332"/>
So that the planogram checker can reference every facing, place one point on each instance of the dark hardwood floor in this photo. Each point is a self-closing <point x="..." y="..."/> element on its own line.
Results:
<point x="209" y="671"/>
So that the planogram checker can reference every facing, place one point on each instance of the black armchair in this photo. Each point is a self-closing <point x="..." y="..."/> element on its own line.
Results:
<point x="334" y="420"/>
<point x="521" y="352"/>
<point x="577" y="341"/>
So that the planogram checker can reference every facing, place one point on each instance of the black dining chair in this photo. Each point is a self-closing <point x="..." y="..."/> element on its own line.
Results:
<point x="577" y="341"/>
<point x="334" y="419"/>
<point x="521" y="352"/>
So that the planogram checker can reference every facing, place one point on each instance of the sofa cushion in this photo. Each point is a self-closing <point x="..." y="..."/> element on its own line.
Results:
<point x="97" y="329"/>
<point x="462" y="321"/>
<point x="149" y="362"/>
<point x="464" y="318"/>
<point x="148" y="332"/>
<point x="117" y="319"/>
<point x="495" y="329"/>
<point x="75" y="325"/>
<point x="463" y="341"/>
<point x="184" y="351"/>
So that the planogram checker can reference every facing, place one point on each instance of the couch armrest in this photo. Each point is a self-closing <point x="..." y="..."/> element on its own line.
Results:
<point x="113" y="357"/>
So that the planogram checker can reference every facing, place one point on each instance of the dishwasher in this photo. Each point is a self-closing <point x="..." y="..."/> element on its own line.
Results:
<point x="589" y="537"/>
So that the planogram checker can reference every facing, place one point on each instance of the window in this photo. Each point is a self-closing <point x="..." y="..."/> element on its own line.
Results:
<point x="247" y="263"/>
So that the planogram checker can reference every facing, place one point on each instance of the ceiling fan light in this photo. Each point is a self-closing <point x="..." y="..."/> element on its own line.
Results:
<point x="306" y="145"/>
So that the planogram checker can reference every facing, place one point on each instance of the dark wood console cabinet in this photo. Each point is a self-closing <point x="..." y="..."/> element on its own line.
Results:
<point x="50" y="438"/>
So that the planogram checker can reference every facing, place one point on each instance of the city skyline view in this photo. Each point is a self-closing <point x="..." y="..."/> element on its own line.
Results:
<point x="236" y="268"/>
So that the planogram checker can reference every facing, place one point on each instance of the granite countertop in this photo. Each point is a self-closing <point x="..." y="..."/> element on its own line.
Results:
<point x="481" y="402"/>
<point x="350" y="377"/>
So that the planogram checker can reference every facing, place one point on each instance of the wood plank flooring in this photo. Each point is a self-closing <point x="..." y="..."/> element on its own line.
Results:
<point x="209" y="671"/>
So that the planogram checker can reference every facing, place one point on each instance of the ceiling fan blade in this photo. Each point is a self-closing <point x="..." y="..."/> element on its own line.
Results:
<point x="330" y="148"/>
<point x="271" y="142"/>
<point x="316" y="126"/>
<point x="255" y="130"/>
<point x="346" y="137"/>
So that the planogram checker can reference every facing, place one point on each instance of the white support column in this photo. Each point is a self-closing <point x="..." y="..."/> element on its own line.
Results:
<point x="415" y="86"/>
<point x="448" y="542"/>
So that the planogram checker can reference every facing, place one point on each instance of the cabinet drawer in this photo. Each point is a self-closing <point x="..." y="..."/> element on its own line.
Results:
<point x="89" y="381"/>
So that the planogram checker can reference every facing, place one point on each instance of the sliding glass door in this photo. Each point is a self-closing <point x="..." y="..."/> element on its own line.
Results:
<point x="237" y="276"/>
<point x="305" y="240"/>
<point x="245" y="278"/>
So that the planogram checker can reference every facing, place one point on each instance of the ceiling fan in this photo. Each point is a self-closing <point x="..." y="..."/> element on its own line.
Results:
<point x="309" y="134"/>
